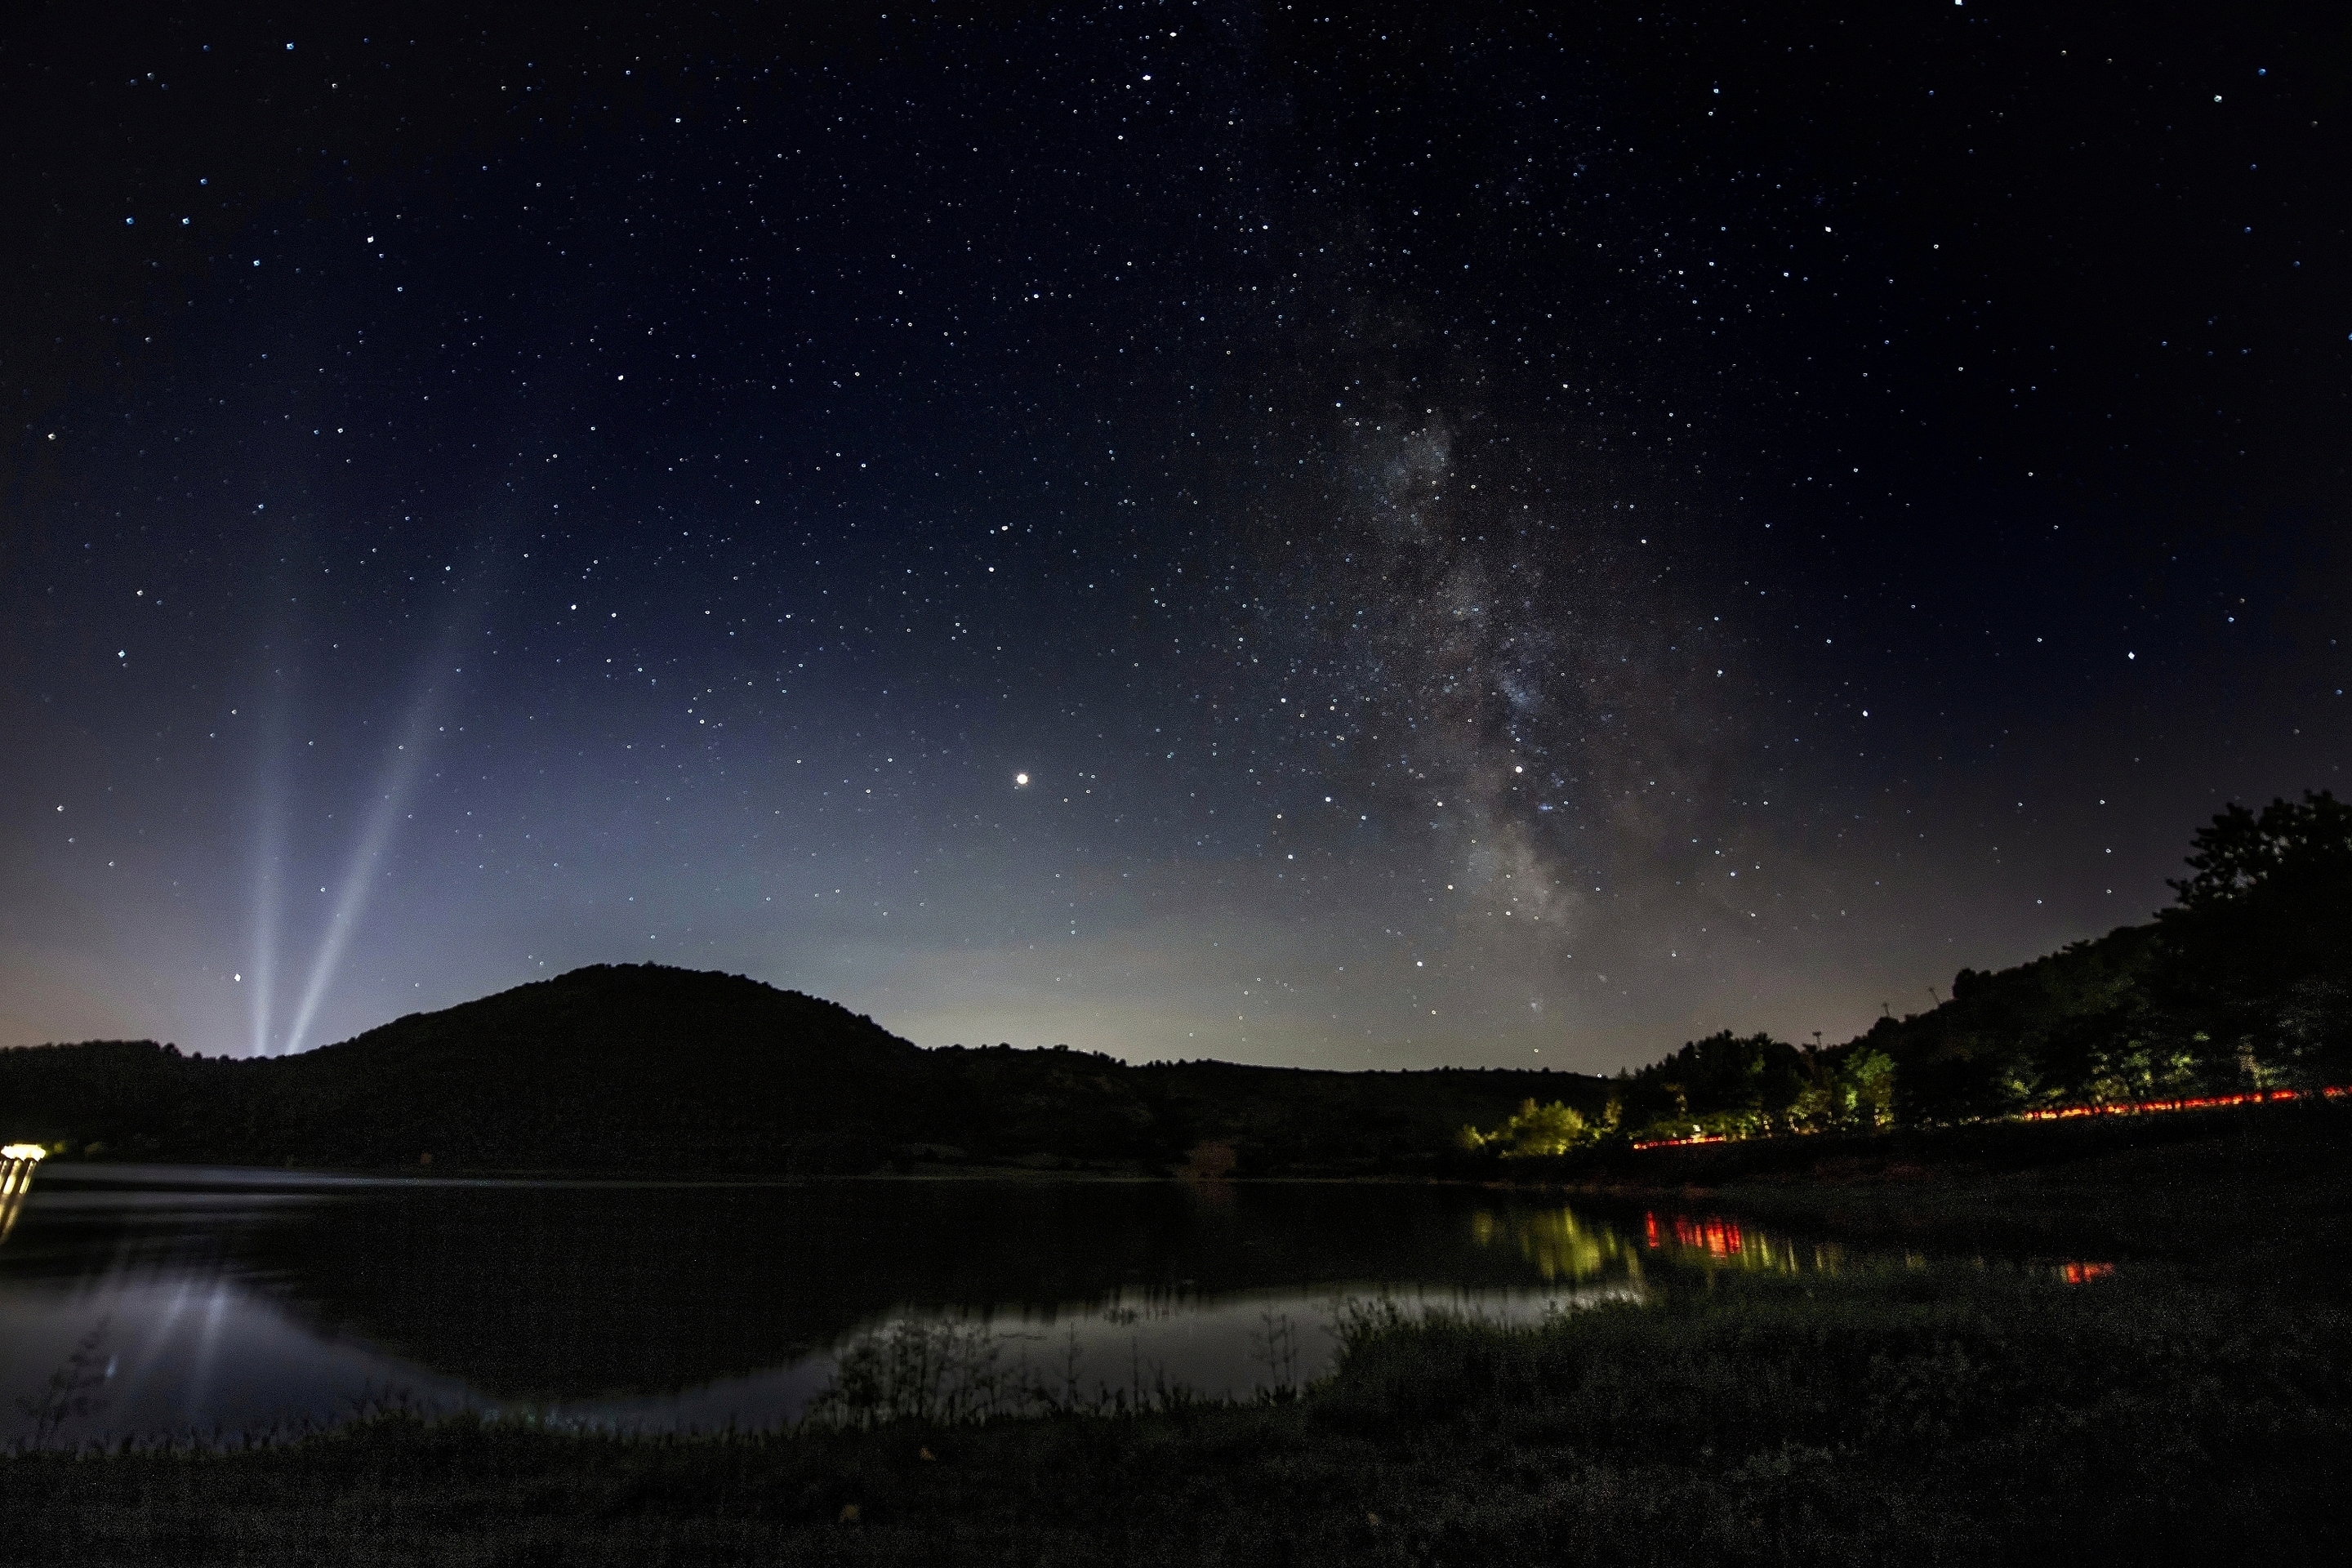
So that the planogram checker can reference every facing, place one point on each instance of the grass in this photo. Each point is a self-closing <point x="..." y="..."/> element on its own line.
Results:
<point x="1983" y="1415"/>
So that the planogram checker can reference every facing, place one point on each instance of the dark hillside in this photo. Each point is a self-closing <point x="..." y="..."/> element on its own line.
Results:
<point x="609" y="1068"/>
<point x="1063" y="1109"/>
<point x="2243" y="985"/>
<point x="1282" y="1119"/>
<point x="644" y="1069"/>
<point x="128" y="1098"/>
<point x="2057" y="1028"/>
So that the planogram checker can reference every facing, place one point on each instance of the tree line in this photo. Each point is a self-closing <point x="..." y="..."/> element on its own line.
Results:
<point x="2244" y="982"/>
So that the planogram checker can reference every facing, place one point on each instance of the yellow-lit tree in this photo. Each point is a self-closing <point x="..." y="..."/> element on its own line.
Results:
<point x="1537" y="1130"/>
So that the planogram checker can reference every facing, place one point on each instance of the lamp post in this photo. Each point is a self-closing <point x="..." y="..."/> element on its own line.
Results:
<point x="17" y="1162"/>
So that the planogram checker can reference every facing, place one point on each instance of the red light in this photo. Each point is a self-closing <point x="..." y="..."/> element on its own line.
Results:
<point x="2193" y="1102"/>
<point x="2067" y="1112"/>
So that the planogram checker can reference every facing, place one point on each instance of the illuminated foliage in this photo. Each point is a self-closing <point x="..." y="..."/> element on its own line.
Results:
<point x="1542" y="1129"/>
<point x="1849" y="1092"/>
<point x="1725" y="1086"/>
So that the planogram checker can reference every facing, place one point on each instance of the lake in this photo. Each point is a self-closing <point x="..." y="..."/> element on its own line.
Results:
<point x="155" y="1302"/>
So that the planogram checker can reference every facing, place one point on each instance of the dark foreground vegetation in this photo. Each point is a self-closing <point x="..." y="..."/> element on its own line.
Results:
<point x="2188" y="1398"/>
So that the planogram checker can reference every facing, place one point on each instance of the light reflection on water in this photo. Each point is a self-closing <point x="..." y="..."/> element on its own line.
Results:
<point x="1716" y="1241"/>
<point x="168" y="1303"/>
<point x="1557" y="1243"/>
<point x="1560" y="1244"/>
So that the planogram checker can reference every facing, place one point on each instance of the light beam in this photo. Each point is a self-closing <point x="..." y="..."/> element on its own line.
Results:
<point x="383" y="816"/>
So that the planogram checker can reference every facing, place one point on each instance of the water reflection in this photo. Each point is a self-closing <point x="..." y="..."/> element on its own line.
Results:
<point x="245" y="1301"/>
<point x="1560" y="1243"/>
<point x="1713" y="1241"/>
<point x="252" y="1301"/>
<point x="1557" y="1243"/>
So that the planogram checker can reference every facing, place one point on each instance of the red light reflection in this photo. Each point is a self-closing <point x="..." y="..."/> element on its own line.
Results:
<point x="1718" y="1238"/>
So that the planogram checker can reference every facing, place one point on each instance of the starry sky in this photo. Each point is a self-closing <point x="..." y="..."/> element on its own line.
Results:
<point x="1308" y="534"/>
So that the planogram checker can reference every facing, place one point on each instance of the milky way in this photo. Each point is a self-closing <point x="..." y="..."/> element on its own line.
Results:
<point x="1372" y="539"/>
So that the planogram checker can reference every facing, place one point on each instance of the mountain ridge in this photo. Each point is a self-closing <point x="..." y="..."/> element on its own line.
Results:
<point x="635" y="1068"/>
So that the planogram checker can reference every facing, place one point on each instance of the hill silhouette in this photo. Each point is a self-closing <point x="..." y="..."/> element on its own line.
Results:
<point x="641" y="1069"/>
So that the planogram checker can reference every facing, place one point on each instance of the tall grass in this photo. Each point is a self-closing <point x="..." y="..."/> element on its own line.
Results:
<point x="944" y="1372"/>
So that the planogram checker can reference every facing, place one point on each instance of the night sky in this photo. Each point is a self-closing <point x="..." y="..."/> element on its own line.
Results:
<point x="1297" y="534"/>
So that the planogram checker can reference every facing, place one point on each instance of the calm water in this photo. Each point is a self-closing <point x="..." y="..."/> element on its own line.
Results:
<point x="203" y="1302"/>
